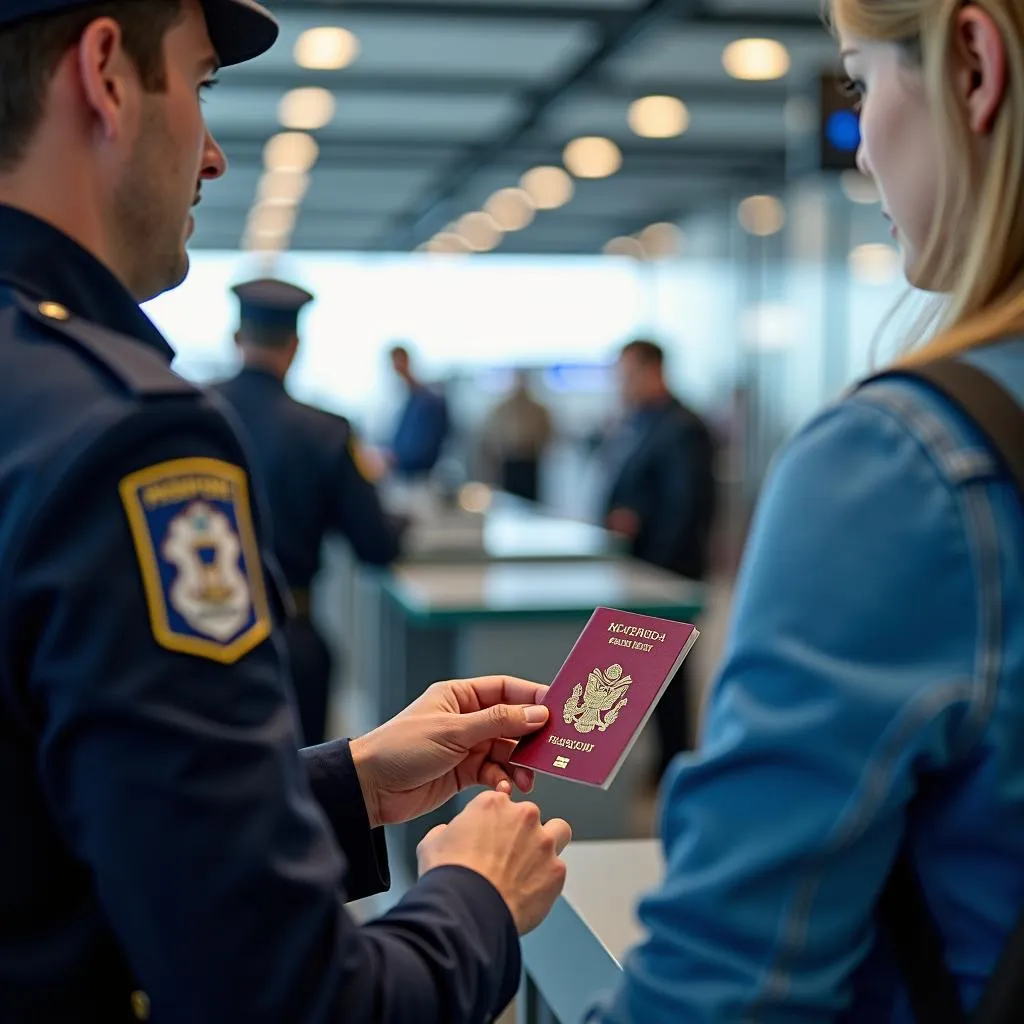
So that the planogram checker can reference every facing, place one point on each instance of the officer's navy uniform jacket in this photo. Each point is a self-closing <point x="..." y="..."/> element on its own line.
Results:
<point x="164" y="846"/>
<point x="306" y="464"/>
<point x="661" y="467"/>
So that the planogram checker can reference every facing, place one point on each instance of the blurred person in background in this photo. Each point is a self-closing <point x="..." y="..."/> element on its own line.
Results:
<point x="307" y="464"/>
<point x="513" y="440"/>
<point x="166" y="851"/>
<point x="423" y="424"/>
<point x="661" y="495"/>
<point x="862" y="760"/>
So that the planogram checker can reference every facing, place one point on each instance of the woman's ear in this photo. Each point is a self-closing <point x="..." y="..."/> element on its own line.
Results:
<point x="980" y="55"/>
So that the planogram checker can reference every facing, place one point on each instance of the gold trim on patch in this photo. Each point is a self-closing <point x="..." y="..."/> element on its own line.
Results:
<point x="166" y="473"/>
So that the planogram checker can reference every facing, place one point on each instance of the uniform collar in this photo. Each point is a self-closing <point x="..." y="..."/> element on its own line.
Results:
<point x="45" y="263"/>
<point x="260" y="373"/>
<point x="648" y="413"/>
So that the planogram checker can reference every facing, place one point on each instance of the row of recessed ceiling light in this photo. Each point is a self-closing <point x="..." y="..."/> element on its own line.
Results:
<point x="593" y="156"/>
<point x="758" y="215"/>
<point x="289" y="156"/>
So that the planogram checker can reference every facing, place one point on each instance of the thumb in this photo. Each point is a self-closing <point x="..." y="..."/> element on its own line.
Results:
<point x="501" y="720"/>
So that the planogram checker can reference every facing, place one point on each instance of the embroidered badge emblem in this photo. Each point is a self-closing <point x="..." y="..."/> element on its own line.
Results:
<point x="192" y="528"/>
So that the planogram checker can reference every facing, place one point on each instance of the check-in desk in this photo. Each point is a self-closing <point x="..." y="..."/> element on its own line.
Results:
<point x="577" y="952"/>
<point x="509" y="531"/>
<point x="445" y="621"/>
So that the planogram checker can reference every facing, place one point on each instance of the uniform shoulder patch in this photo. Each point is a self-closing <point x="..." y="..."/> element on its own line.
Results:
<point x="193" y="532"/>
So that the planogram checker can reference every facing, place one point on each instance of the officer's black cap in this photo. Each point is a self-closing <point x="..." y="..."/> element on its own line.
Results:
<point x="270" y="302"/>
<point x="239" y="29"/>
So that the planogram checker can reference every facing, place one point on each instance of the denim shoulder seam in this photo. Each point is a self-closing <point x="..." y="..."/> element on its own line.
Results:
<point x="955" y="459"/>
<point x="960" y="459"/>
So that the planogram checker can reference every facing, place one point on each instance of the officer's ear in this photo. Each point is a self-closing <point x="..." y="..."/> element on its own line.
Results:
<point x="107" y="75"/>
<point x="238" y="339"/>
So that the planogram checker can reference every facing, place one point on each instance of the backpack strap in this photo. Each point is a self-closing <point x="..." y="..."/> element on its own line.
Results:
<point x="994" y="411"/>
<point x="917" y="943"/>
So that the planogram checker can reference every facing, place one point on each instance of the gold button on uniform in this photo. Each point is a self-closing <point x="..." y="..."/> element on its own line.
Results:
<point x="54" y="310"/>
<point x="140" y="1005"/>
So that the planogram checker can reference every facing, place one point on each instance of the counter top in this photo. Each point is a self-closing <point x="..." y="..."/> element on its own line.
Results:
<point x="578" y="951"/>
<point x="506" y="533"/>
<point x="458" y="592"/>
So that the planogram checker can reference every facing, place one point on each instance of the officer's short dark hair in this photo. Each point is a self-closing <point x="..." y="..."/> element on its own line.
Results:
<point x="398" y="352"/>
<point x="266" y="335"/>
<point x="31" y="49"/>
<point x="647" y="352"/>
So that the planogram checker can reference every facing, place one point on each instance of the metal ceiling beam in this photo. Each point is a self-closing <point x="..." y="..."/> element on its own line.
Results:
<point x="425" y="215"/>
<point x="409" y="153"/>
<point x="455" y="85"/>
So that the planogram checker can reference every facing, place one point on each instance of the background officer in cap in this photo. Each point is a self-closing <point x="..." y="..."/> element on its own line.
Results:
<point x="165" y="848"/>
<point x="305" y="461"/>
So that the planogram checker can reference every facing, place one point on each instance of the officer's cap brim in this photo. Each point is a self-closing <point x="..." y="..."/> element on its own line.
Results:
<point x="239" y="29"/>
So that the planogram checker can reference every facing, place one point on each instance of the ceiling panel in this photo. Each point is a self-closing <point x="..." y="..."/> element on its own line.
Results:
<point x="529" y="50"/>
<point x="754" y="125"/>
<point x="810" y="8"/>
<point x="237" y="109"/>
<point x="450" y="100"/>
<point x="352" y="231"/>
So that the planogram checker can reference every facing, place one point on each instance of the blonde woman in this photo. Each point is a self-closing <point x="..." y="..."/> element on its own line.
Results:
<point x="872" y="694"/>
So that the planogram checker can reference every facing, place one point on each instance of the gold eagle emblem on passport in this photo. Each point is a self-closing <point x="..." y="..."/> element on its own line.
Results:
<point x="604" y="695"/>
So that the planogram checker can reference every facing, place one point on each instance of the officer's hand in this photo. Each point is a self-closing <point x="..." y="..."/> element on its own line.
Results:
<point x="458" y="734"/>
<point x="507" y="844"/>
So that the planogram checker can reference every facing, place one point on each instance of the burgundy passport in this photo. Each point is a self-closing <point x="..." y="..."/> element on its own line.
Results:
<point x="603" y="695"/>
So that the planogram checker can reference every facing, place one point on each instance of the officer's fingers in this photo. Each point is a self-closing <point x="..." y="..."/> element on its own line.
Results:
<point x="559" y="831"/>
<point x="501" y="720"/>
<point x="431" y="835"/>
<point x="494" y="776"/>
<point x="487" y="691"/>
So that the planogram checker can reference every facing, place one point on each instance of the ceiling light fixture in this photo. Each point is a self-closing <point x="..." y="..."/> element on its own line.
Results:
<point x="592" y="157"/>
<point x="660" y="241"/>
<point x="283" y="188"/>
<point x="290" y="151"/>
<point x="858" y="188"/>
<point x="449" y="242"/>
<point x="624" y="246"/>
<point x="480" y="230"/>
<point x="306" y="109"/>
<point x="548" y="187"/>
<point x="756" y="60"/>
<point x="658" y="117"/>
<point x="762" y="215"/>
<point x="511" y="208"/>
<point x="326" y="49"/>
